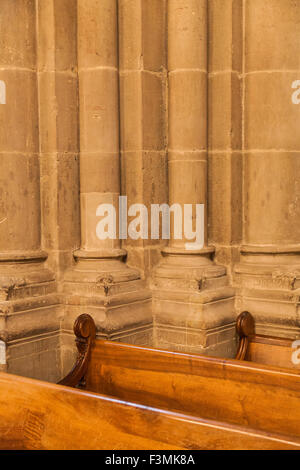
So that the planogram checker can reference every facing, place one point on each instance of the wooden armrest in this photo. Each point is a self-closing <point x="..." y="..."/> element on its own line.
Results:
<point x="245" y="328"/>
<point x="85" y="332"/>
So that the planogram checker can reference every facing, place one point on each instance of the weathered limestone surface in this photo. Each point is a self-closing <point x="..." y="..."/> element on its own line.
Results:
<point x="101" y="282"/>
<point x="143" y="101"/>
<point x="193" y="305"/>
<point x="59" y="141"/>
<point x="29" y="303"/>
<point x="162" y="101"/>
<point x="268" y="277"/>
<point x="225" y="165"/>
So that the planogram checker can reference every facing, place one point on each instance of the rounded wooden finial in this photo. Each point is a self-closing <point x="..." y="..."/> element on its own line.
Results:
<point x="84" y="326"/>
<point x="245" y="324"/>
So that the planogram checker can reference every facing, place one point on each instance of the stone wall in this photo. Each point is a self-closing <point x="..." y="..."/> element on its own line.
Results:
<point x="164" y="101"/>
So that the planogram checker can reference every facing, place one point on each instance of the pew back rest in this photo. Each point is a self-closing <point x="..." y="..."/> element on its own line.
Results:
<point x="230" y="391"/>
<point x="263" y="349"/>
<point x="36" y="415"/>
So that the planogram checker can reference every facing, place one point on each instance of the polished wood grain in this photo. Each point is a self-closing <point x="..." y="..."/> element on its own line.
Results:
<point x="43" y="416"/>
<point x="154" y="399"/>
<point x="236" y="392"/>
<point x="262" y="397"/>
<point x="272" y="351"/>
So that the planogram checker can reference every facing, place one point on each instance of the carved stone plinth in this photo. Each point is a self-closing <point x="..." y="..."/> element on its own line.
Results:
<point x="193" y="305"/>
<point x="113" y="294"/>
<point x="268" y="280"/>
<point x="30" y="316"/>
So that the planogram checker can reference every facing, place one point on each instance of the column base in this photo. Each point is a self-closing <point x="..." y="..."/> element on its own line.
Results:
<point x="268" y="280"/>
<point x="30" y="316"/>
<point x="113" y="294"/>
<point x="193" y="305"/>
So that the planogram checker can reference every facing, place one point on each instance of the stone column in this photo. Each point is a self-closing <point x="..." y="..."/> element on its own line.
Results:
<point x="269" y="273"/>
<point x="28" y="316"/>
<point x="193" y="306"/>
<point x="107" y="288"/>
<point x="99" y="120"/>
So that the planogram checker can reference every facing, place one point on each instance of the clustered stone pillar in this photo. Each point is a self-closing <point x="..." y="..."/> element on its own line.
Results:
<point x="269" y="272"/>
<point x="113" y="292"/>
<point x="193" y="306"/>
<point x="75" y="75"/>
<point x="28" y="316"/>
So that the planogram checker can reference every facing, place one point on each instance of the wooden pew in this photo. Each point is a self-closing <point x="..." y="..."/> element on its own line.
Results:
<point x="41" y="416"/>
<point x="260" y="348"/>
<point x="263" y="398"/>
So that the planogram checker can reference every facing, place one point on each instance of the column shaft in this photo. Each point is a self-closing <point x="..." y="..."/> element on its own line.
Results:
<point x="20" y="233"/>
<point x="187" y="66"/>
<point x="270" y="258"/>
<point x="29" y="321"/>
<point x="99" y="115"/>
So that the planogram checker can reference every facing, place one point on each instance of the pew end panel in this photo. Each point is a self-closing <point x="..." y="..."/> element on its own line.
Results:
<point x="262" y="349"/>
<point x="85" y="335"/>
<point x="37" y="415"/>
<point x="237" y="392"/>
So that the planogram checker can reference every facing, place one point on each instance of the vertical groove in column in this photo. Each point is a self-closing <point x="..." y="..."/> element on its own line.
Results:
<point x="243" y="116"/>
<point x="142" y="58"/>
<point x="225" y="165"/>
